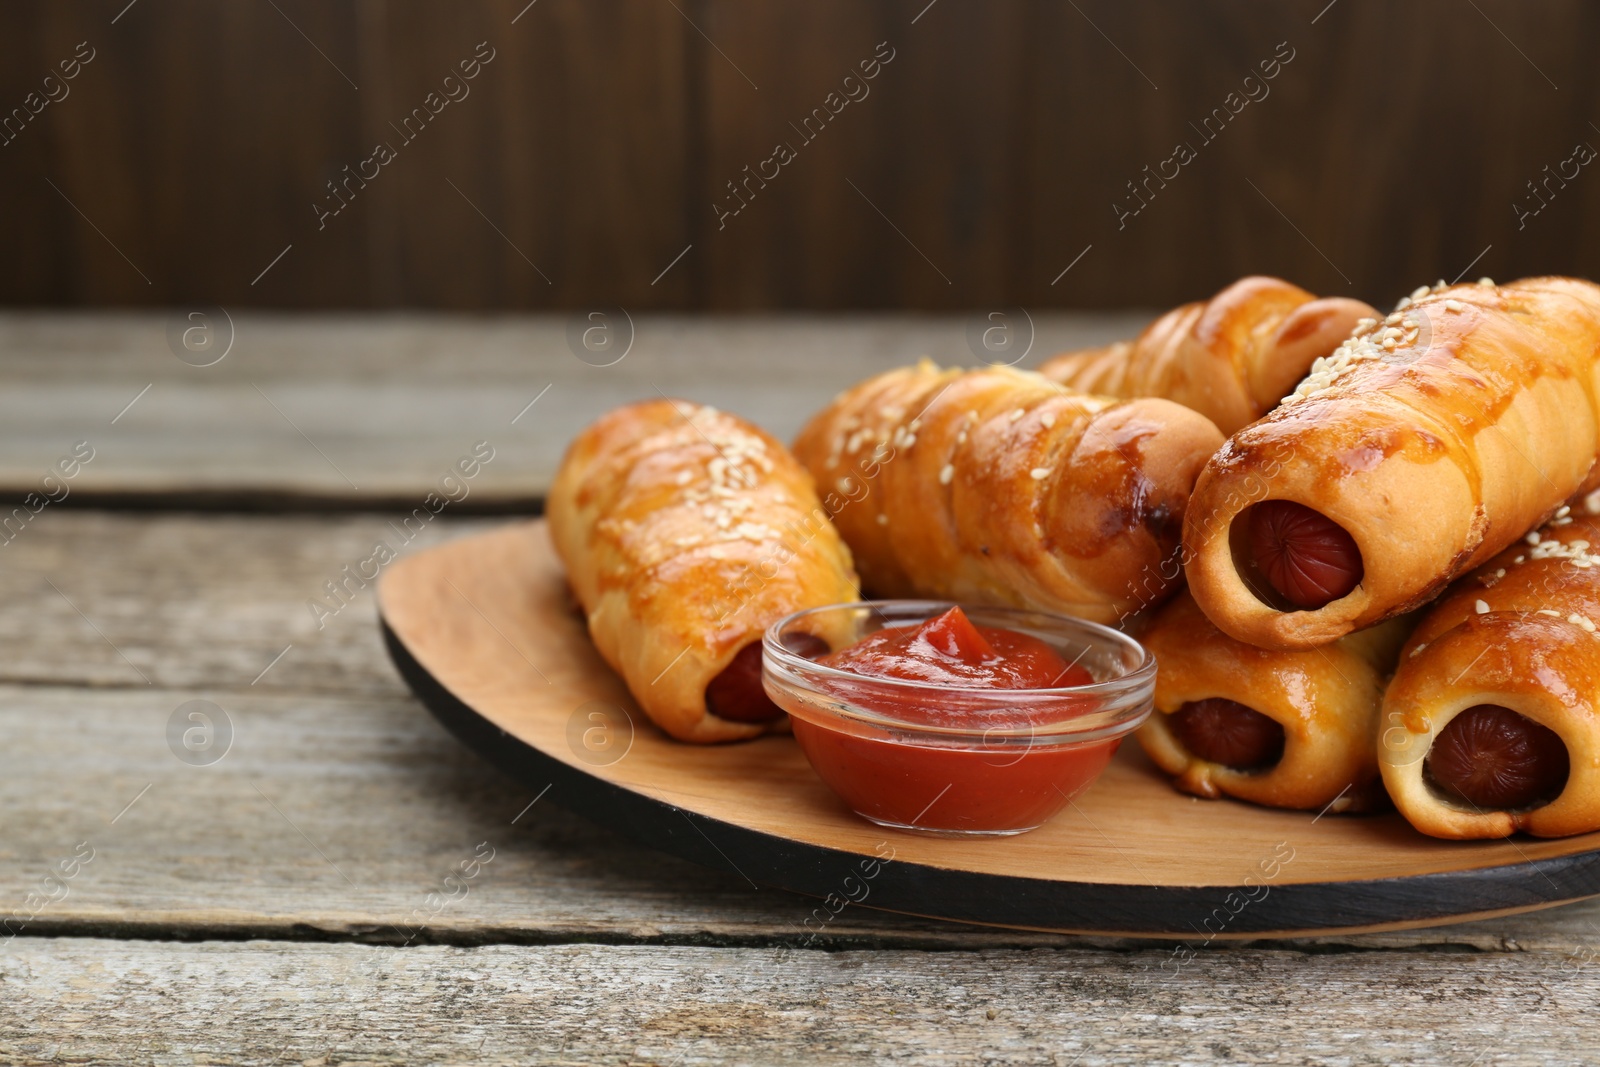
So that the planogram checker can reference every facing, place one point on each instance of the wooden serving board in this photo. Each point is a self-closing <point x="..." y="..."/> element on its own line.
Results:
<point x="484" y="630"/>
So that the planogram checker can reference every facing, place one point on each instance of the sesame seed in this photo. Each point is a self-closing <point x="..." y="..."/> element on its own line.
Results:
<point x="844" y="484"/>
<point x="1039" y="474"/>
<point x="1481" y="607"/>
<point x="1405" y="302"/>
<point x="1017" y="414"/>
<point x="1454" y="305"/>
<point x="883" y="520"/>
<point x="1486" y="282"/>
<point x="947" y="474"/>
<point x="1048" y="418"/>
<point x="1419" y="648"/>
<point x="1581" y="621"/>
<point x="1419" y="292"/>
<point x="1578" y="556"/>
<point x="1563" y="511"/>
<point x="1547" y="611"/>
<point x="1533" y="537"/>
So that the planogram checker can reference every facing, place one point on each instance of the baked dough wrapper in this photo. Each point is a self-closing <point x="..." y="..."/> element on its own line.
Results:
<point x="686" y="532"/>
<point x="1518" y="632"/>
<point x="1435" y="439"/>
<point x="1326" y="699"/>
<point x="998" y="486"/>
<point x="1231" y="358"/>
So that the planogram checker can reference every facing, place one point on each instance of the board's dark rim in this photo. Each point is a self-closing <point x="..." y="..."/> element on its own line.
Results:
<point x="1004" y="900"/>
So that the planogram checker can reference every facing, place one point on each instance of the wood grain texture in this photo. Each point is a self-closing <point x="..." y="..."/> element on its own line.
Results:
<point x="191" y="149"/>
<point x="594" y="145"/>
<point x="88" y="1001"/>
<point x="906" y="185"/>
<point x="177" y="602"/>
<point x="201" y="604"/>
<point x="374" y="410"/>
<point x="214" y="173"/>
<point x="333" y="819"/>
<point x="1347" y="180"/>
<point x="561" y="178"/>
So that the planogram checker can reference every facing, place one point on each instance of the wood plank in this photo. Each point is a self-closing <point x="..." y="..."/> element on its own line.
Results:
<point x="201" y="605"/>
<point x="997" y="141"/>
<point x="147" y="144"/>
<point x="373" y="411"/>
<point x="335" y="818"/>
<point x="906" y="189"/>
<point x="184" y="602"/>
<point x="96" y="1001"/>
<point x="562" y="177"/>
<point x="1363" y="185"/>
<point x="192" y="148"/>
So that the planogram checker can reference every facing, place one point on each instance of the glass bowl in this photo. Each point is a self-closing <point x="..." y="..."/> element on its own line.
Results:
<point x="950" y="760"/>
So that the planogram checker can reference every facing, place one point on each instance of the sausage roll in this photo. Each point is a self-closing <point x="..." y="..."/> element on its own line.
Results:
<point x="998" y="486"/>
<point x="1288" y="729"/>
<point x="1424" y="445"/>
<point x="686" y="532"/>
<point x="1492" y="722"/>
<point x="1231" y="358"/>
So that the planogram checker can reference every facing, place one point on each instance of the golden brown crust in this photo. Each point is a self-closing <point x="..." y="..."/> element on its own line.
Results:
<point x="998" y="486"/>
<point x="686" y="532"/>
<point x="1327" y="701"/>
<point x="1231" y="358"/>
<point x="1519" y="632"/>
<point x="1435" y="439"/>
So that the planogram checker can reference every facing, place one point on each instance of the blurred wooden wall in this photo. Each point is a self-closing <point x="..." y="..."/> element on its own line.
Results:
<point x="991" y="151"/>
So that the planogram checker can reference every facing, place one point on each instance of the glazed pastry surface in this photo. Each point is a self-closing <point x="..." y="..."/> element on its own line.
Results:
<point x="1517" y="634"/>
<point x="685" y="532"/>
<point x="1231" y="358"/>
<point x="1432" y="440"/>
<point x="1325" y="701"/>
<point x="998" y="486"/>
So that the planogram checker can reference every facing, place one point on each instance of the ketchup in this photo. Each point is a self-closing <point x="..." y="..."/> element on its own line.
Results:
<point x="950" y="650"/>
<point x="986" y="783"/>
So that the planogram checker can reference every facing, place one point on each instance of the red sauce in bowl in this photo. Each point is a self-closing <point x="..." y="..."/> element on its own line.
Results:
<point x="968" y="758"/>
<point x="950" y="650"/>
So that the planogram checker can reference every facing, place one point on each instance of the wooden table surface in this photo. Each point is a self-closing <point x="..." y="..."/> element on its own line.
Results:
<point x="273" y="906"/>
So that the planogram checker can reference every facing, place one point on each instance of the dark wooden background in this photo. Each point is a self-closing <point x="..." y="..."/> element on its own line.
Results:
<point x="190" y="151"/>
